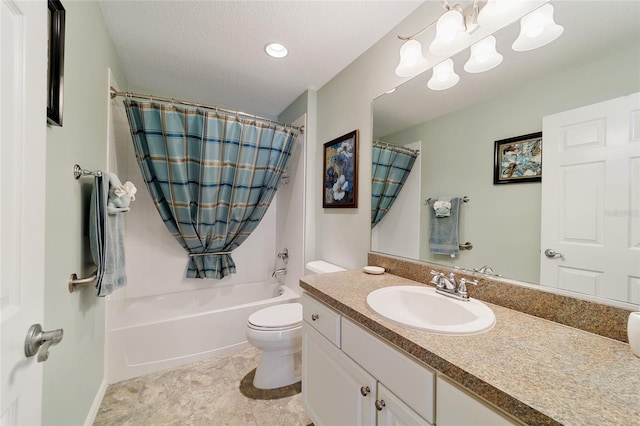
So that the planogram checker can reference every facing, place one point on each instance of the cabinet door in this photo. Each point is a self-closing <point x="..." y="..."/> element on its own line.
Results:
<point x="335" y="390"/>
<point x="456" y="408"/>
<point x="410" y="381"/>
<point x="393" y="412"/>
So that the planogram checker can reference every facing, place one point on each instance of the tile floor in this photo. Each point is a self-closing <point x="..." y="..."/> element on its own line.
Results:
<point x="203" y="393"/>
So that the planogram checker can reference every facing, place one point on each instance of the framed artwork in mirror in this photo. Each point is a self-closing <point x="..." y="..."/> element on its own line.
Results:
<point x="340" y="172"/>
<point x="518" y="159"/>
<point x="55" y="63"/>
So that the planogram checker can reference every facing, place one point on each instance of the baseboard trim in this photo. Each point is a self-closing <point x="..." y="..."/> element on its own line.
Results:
<point x="93" y="412"/>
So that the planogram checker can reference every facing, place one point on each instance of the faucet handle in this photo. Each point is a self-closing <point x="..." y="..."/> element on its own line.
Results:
<point x="437" y="278"/>
<point x="462" y="287"/>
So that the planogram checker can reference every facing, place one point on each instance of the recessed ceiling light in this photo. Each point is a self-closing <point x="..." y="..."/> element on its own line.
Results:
<point x="276" y="50"/>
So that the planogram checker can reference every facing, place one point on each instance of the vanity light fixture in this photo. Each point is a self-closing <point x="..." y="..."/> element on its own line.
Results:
<point x="276" y="50"/>
<point x="412" y="62"/>
<point x="537" y="29"/>
<point x="483" y="56"/>
<point x="444" y="76"/>
<point x="454" y="28"/>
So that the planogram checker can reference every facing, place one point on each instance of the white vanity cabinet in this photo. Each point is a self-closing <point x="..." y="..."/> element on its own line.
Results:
<point x="351" y="377"/>
<point x="337" y="390"/>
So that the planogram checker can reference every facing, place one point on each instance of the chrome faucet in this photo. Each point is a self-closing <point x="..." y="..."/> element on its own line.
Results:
<point x="487" y="270"/>
<point x="281" y="271"/>
<point x="447" y="285"/>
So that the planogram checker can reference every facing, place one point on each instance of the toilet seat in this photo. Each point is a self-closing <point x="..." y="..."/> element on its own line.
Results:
<point x="282" y="317"/>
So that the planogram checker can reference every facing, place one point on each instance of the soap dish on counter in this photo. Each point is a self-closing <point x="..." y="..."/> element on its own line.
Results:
<point x="374" y="270"/>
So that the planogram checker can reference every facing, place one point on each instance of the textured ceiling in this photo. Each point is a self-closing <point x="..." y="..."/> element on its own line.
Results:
<point x="212" y="51"/>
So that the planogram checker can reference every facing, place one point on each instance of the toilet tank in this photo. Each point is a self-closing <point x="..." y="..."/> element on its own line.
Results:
<point x="321" y="267"/>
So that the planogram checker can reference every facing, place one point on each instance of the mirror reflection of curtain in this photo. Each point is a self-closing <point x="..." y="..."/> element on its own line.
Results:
<point x="211" y="176"/>
<point x="391" y="166"/>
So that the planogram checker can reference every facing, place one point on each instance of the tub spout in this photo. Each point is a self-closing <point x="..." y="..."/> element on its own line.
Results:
<point x="281" y="271"/>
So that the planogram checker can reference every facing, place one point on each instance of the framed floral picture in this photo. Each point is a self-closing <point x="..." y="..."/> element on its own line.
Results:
<point x="340" y="168"/>
<point x="518" y="159"/>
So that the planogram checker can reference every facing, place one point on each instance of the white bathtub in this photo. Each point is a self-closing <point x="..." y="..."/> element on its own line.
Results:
<point x="149" y="334"/>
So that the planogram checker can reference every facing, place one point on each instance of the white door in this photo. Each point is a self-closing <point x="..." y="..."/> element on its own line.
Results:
<point x="591" y="200"/>
<point x="23" y="116"/>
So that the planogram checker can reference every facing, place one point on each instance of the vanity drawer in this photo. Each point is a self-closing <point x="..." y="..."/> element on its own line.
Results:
<point x="413" y="383"/>
<point x="322" y="318"/>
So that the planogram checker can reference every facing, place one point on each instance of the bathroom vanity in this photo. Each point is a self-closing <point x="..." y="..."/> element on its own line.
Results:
<point x="360" y="369"/>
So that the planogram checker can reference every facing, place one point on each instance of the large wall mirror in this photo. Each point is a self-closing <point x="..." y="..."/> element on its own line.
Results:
<point x="597" y="58"/>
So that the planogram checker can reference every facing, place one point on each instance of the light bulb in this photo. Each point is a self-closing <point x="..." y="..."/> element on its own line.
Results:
<point x="534" y="26"/>
<point x="276" y="50"/>
<point x="443" y="76"/>
<point x="498" y="13"/>
<point x="411" y="60"/>
<point x="537" y="29"/>
<point x="450" y="34"/>
<point x="483" y="56"/>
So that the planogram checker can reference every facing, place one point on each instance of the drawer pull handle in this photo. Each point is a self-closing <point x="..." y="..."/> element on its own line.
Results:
<point x="364" y="390"/>
<point x="314" y="317"/>
<point x="380" y="404"/>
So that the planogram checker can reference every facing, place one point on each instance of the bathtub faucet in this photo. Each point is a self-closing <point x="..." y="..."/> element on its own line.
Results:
<point x="281" y="271"/>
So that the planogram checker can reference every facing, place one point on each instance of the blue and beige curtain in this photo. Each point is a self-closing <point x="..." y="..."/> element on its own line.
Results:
<point x="391" y="166"/>
<point x="211" y="176"/>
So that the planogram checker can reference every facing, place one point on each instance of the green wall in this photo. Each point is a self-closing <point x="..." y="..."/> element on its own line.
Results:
<point x="73" y="375"/>
<point x="343" y="105"/>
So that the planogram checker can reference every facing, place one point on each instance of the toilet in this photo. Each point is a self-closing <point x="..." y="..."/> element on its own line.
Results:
<point x="277" y="332"/>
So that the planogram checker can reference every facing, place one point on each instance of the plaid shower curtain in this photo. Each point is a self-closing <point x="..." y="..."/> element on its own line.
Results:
<point x="391" y="166"/>
<point x="211" y="176"/>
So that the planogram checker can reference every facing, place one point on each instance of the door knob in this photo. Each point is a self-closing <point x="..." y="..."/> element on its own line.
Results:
<point x="364" y="390"/>
<point x="551" y="253"/>
<point x="380" y="404"/>
<point x="38" y="341"/>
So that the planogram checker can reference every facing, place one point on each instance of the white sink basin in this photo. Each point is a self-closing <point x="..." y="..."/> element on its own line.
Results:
<point x="421" y="308"/>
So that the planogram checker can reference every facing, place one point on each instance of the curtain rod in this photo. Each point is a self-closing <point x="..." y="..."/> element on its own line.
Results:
<point x="115" y="93"/>
<point x="415" y="151"/>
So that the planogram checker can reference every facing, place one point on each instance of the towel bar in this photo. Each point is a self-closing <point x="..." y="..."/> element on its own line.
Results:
<point x="465" y="246"/>
<point x="74" y="281"/>
<point x="464" y="199"/>
<point x="220" y="253"/>
<point x="79" y="172"/>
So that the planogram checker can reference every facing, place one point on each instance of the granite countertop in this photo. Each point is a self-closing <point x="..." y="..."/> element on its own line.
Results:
<point x="539" y="371"/>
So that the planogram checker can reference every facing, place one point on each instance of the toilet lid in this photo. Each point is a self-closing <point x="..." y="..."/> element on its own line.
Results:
<point x="277" y="316"/>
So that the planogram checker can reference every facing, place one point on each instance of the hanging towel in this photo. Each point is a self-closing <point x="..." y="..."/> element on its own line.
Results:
<point x="443" y="238"/>
<point x="106" y="231"/>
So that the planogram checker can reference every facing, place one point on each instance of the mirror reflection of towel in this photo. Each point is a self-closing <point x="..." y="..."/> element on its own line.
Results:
<point x="443" y="238"/>
<point x="442" y="207"/>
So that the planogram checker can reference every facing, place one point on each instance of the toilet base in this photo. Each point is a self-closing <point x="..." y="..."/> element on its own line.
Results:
<point x="277" y="369"/>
